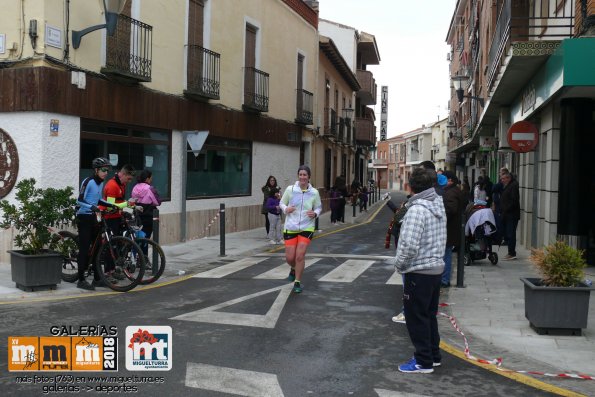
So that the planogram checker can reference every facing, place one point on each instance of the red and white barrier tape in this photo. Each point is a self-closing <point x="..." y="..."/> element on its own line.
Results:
<point x="206" y="229"/>
<point x="498" y="361"/>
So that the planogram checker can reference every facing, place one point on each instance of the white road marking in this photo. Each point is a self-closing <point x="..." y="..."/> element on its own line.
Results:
<point x="232" y="381"/>
<point x="282" y="271"/>
<point x="232" y="267"/>
<point x="392" y="393"/>
<point x="347" y="272"/>
<point x="395" y="279"/>
<point x="268" y="320"/>
<point x="318" y="255"/>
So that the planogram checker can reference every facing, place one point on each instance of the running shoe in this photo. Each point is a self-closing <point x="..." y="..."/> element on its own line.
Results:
<point x="412" y="367"/>
<point x="291" y="276"/>
<point x="297" y="288"/>
<point x="399" y="318"/>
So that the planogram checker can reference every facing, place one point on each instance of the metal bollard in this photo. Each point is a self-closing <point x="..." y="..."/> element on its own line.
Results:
<point x="460" y="265"/>
<point x="155" y="238"/>
<point x="354" y="210"/>
<point x="222" y="229"/>
<point x="316" y="224"/>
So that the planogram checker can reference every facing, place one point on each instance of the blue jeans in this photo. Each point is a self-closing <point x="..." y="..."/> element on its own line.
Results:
<point x="510" y="224"/>
<point x="420" y="298"/>
<point x="447" y="265"/>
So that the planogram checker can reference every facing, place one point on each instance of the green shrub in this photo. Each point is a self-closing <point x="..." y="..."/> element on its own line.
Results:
<point x="36" y="210"/>
<point x="559" y="264"/>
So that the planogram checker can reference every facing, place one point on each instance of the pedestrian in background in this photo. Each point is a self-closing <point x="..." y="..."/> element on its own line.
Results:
<point x="466" y="188"/>
<point x="147" y="197"/>
<point x="334" y="198"/>
<point x="511" y="212"/>
<point x="301" y="203"/>
<point x="363" y="199"/>
<point x="479" y="192"/>
<point x="269" y="186"/>
<point x="419" y="258"/>
<point x="274" y="214"/>
<point x="341" y="187"/>
<point x="496" y="192"/>
<point x="454" y="205"/>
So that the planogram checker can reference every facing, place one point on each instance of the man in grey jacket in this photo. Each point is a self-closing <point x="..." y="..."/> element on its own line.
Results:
<point x="419" y="258"/>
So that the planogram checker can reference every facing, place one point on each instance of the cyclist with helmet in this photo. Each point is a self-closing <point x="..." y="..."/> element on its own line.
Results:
<point x="113" y="193"/>
<point x="88" y="199"/>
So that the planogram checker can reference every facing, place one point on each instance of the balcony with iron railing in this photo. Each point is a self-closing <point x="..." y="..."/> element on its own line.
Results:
<point x="341" y="130"/>
<point x="367" y="93"/>
<point x="330" y="123"/>
<point x="524" y="21"/>
<point x="348" y="138"/>
<point x="128" y="54"/>
<point x="203" y="73"/>
<point x="304" y="107"/>
<point x="365" y="131"/>
<point x="256" y="90"/>
<point x="379" y="162"/>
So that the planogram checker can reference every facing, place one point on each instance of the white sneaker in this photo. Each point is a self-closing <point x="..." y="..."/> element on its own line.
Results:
<point x="399" y="318"/>
<point x="272" y="242"/>
<point x="280" y="242"/>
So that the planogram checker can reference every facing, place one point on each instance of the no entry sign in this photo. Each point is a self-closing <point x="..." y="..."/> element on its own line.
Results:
<point x="523" y="136"/>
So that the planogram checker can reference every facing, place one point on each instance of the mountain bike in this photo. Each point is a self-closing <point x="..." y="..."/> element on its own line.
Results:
<point x="118" y="254"/>
<point x="67" y="244"/>
<point x="154" y="255"/>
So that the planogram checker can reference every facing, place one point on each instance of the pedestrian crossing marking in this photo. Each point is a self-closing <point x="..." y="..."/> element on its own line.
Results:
<point x="280" y="272"/>
<point x="232" y="380"/>
<point x="395" y="279"/>
<point x="320" y="255"/>
<point x="268" y="320"/>
<point x="230" y="268"/>
<point x="392" y="393"/>
<point x="347" y="271"/>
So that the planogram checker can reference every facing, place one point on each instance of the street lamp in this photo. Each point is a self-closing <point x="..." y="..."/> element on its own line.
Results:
<point x="347" y="113"/>
<point x="111" y="8"/>
<point x="458" y="83"/>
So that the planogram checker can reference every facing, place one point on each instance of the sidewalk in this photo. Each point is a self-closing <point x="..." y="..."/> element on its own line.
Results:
<point x="489" y="310"/>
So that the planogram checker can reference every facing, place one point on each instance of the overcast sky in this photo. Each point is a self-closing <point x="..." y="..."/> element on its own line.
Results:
<point x="411" y="38"/>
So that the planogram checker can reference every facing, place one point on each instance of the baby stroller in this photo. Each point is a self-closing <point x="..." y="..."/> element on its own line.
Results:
<point x="478" y="237"/>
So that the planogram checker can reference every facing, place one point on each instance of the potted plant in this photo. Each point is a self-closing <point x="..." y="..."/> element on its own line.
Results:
<point x="36" y="265"/>
<point x="559" y="299"/>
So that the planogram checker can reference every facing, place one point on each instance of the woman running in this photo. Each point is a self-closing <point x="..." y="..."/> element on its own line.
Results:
<point x="301" y="203"/>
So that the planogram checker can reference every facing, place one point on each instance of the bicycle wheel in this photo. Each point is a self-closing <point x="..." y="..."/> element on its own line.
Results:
<point x="154" y="258"/>
<point x="118" y="265"/>
<point x="68" y="246"/>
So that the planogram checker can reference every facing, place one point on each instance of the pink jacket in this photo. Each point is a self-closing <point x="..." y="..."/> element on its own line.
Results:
<point x="143" y="193"/>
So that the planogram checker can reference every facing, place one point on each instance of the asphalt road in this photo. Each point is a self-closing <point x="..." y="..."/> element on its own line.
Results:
<point x="238" y="330"/>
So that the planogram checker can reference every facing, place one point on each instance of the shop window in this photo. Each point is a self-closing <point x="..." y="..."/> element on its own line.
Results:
<point x="144" y="148"/>
<point x="221" y="169"/>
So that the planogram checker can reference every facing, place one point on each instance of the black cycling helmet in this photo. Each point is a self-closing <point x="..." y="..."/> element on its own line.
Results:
<point x="100" y="162"/>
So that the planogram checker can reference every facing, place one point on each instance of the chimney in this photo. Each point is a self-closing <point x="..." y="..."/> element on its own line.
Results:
<point x="313" y="4"/>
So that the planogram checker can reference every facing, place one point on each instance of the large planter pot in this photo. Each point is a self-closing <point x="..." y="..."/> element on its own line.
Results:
<point x="556" y="309"/>
<point x="35" y="272"/>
